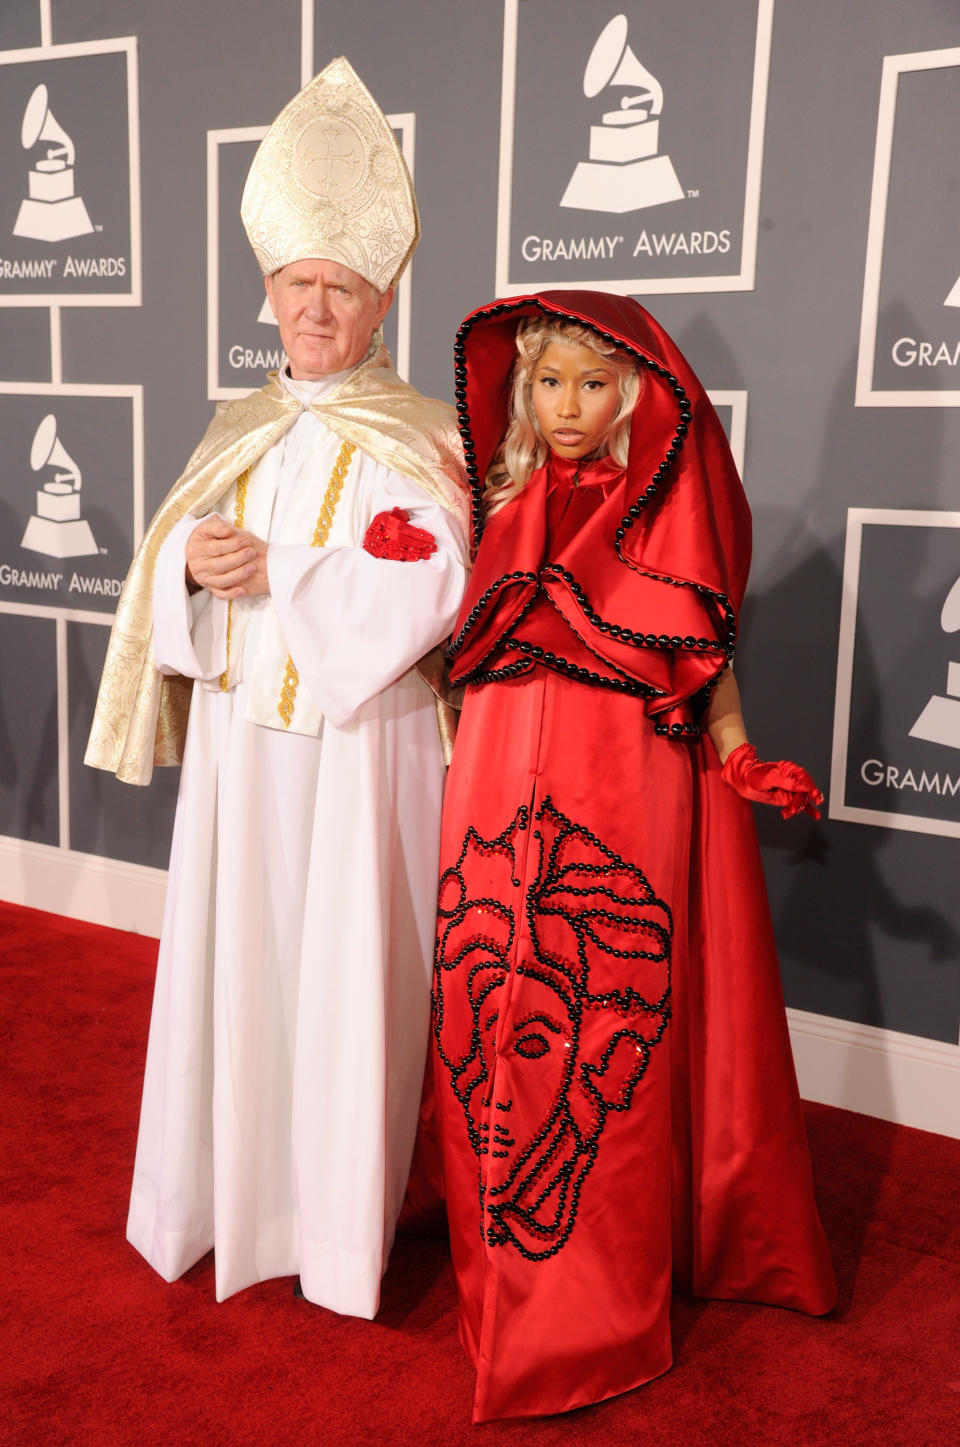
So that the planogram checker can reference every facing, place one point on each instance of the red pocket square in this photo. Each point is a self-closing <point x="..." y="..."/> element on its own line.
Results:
<point x="392" y="535"/>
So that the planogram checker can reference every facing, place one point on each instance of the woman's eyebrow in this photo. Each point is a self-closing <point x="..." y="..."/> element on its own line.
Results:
<point x="587" y="371"/>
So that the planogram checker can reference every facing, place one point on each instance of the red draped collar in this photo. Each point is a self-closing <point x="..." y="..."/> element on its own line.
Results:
<point x="583" y="472"/>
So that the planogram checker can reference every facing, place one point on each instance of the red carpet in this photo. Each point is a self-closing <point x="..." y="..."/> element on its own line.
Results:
<point x="98" y="1350"/>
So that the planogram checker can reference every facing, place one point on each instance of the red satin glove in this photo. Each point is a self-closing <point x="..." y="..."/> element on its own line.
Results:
<point x="783" y="784"/>
<point x="392" y="535"/>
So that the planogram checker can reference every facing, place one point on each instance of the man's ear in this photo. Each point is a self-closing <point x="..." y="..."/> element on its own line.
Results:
<point x="271" y="298"/>
<point x="385" y="302"/>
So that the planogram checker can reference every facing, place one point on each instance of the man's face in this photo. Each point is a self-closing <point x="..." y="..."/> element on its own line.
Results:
<point x="326" y="314"/>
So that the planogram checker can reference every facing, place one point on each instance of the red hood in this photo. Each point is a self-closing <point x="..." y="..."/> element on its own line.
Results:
<point x="685" y="521"/>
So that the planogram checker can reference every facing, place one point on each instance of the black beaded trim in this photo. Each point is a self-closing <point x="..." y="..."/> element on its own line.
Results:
<point x="511" y="670"/>
<point x="620" y="682"/>
<point x="658" y="481"/>
<point x="609" y="911"/>
<point x="699" y="703"/>
<point x="677" y="730"/>
<point x="636" y="636"/>
<point x="475" y="612"/>
<point x="460" y="392"/>
<point x="535" y="654"/>
<point x="485" y="952"/>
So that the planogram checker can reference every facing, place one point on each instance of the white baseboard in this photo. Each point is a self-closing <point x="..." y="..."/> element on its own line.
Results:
<point x="896" y="1077"/>
<point x="83" y="886"/>
<point x="902" y="1078"/>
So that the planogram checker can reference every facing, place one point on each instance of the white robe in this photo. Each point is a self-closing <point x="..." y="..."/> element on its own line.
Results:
<point x="291" y="1010"/>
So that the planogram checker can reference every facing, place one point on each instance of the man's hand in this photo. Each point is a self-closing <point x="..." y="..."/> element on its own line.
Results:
<point x="257" y="583"/>
<point x="228" y="562"/>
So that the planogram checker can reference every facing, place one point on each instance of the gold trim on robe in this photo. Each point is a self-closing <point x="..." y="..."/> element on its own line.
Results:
<point x="141" y="715"/>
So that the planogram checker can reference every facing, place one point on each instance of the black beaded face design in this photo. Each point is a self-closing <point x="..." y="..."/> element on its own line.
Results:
<point x="538" y="1052"/>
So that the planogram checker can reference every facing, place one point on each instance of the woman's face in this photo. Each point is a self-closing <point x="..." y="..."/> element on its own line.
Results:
<point x="575" y="397"/>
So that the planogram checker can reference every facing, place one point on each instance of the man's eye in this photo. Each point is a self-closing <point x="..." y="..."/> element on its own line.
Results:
<point x="532" y="1046"/>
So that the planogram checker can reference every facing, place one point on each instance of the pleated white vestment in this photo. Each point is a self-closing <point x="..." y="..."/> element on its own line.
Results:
<point x="292" y="1000"/>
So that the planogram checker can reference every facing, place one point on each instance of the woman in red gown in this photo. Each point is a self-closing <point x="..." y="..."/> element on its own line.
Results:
<point x="616" y="1101"/>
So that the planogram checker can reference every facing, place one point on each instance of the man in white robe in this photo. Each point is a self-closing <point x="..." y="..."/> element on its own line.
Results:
<point x="297" y="584"/>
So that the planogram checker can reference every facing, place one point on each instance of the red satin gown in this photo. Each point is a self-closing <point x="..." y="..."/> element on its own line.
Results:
<point x="615" y="1094"/>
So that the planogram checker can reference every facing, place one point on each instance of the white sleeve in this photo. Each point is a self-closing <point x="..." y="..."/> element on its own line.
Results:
<point x="355" y="623"/>
<point x="189" y="630"/>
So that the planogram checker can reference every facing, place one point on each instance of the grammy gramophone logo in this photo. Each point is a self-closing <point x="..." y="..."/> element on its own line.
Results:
<point x="939" y="722"/>
<point x="953" y="295"/>
<point x="56" y="529"/>
<point x="51" y="211"/>
<point x="625" y="171"/>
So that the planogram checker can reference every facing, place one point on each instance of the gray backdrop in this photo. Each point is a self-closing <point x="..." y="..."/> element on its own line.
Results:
<point x="867" y="920"/>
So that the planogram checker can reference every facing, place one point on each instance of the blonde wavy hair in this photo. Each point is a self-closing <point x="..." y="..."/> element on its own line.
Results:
<point x="523" y="448"/>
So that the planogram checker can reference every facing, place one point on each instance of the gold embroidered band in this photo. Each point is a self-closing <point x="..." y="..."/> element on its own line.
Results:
<point x="239" y="507"/>
<point x="291" y="678"/>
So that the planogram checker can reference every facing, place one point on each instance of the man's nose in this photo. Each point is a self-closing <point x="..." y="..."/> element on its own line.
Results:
<point x="318" y="304"/>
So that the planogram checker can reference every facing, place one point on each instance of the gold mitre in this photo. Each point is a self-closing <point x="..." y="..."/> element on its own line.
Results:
<point x="329" y="181"/>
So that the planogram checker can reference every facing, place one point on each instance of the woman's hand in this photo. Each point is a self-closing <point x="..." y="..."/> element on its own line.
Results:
<point x="783" y="784"/>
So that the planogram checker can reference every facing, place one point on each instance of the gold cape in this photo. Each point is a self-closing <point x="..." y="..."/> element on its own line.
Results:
<point x="141" y="715"/>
